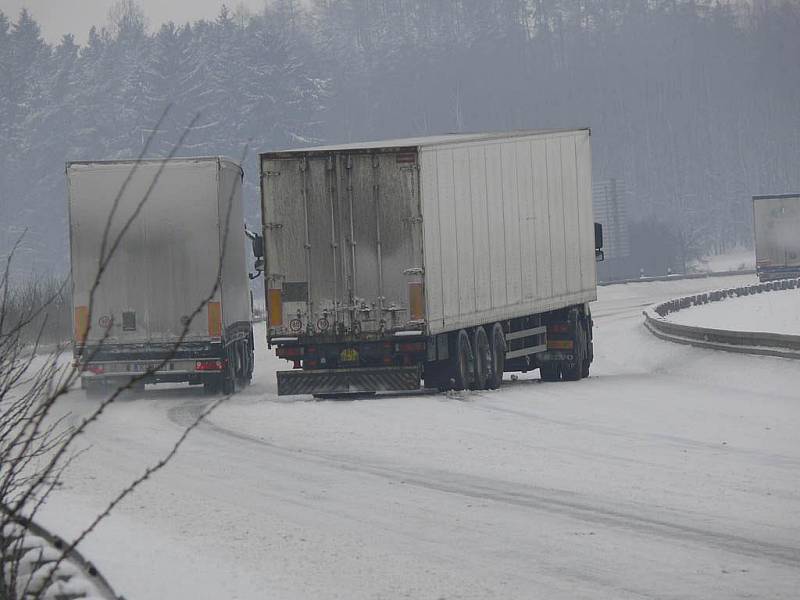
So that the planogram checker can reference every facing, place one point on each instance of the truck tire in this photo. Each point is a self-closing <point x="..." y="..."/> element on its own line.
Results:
<point x="588" y="355"/>
<point x="251" y="359"/>
<point x="243" y="370"/>
<point x="463" y="361"/>
<point x="585" y="369"/>
<point x="229" y="377"/>
<point x="587" y="362"/>
<point x="482" y="364"/>
<point x="574" y="371"/>
<point x="497" y="345"/>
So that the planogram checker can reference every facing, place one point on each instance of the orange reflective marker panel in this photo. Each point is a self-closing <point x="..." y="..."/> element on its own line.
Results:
<point x="214" y="319"/>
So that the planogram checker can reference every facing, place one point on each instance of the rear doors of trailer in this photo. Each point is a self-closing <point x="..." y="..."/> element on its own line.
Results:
<point x="343" y="241"/>
<point x="157" y="231"/>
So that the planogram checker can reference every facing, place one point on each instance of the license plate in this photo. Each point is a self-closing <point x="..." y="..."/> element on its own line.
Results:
<point x="348" y="355"/>
<point x="141" y="368"/>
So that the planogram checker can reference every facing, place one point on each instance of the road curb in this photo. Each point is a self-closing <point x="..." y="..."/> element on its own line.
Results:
<point x="747" y="342"/>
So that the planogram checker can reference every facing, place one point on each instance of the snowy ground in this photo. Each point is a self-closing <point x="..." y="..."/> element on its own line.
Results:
<point x="673" y="472"/>
<point x="735" y="260"/>
<point x="774" y="312"/>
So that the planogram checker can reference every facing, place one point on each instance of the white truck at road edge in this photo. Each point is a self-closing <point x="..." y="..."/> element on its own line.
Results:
<point x="181" y="252"/>
<point x="776" y="225"/>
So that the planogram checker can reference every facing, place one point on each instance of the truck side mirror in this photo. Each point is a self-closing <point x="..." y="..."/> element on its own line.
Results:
<point x="598" y="242"/>
<point x="258" y="245"/>
<point x="258" y="252"/>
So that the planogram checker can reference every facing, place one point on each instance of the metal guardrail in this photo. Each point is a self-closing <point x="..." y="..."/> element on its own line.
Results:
<point x="678" y="277"/>
<point x="73" y="559"/>
<point x="747" y="342"/>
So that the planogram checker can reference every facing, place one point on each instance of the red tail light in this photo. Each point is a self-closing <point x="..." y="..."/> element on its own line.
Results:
<point x="289" y="351"/>
<point x="411" y="347"/>
<point x="210" y="365"/>
<point x="96" y="369"/>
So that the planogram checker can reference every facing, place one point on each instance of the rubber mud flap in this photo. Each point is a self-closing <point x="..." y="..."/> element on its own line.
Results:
<point x="326" y="381"/>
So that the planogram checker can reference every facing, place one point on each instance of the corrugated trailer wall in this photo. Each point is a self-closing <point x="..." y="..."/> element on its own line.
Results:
<point x="508" y="227"/>
<point x="168" y="258"/>
<point x="342" y="231"/>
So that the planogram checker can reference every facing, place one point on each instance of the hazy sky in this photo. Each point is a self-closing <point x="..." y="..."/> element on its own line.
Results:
<point x="58" y="17"/>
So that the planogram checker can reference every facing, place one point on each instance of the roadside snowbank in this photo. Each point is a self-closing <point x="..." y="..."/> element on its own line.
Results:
<point x="738" y="260"/>
<point x="775" y="312"/>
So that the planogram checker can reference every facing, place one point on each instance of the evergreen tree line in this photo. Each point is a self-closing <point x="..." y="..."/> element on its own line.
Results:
<point x="694" y="104"/>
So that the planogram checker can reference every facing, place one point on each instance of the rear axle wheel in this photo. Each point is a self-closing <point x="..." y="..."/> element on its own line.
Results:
<point x="462" y="365"/>
<point x="483" y="359"/>
<point x="497" y="346"/>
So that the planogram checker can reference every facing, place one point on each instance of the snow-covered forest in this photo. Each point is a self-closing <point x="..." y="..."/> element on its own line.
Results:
<point x="693" y="104"/>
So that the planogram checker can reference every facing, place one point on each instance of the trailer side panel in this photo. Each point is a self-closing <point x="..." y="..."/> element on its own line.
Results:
<point x="516" y="210"/>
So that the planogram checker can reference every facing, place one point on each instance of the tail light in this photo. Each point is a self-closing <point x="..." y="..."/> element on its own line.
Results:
<point x="81" y="323"/>
<point x="275" y="306"/>
<point x="414" y="347"/>
<point x="289" y="351"/>
<point x="96" y="369"/>
<point x="214" y="319"/>
<point x="210" y="365"/>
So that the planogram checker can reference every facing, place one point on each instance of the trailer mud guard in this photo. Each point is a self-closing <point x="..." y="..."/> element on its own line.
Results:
<point x="334" y="381"/>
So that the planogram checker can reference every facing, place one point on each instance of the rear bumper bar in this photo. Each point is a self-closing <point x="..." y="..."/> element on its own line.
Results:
<point x="337" y="381"/>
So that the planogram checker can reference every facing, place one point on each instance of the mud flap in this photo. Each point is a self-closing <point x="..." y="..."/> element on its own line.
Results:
<point x="334" y="381"/>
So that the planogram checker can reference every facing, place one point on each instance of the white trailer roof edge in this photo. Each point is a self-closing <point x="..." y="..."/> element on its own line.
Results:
<point x="221" y="160"/>
<point x="776" y="196"/>
<point x="420" y="143"/>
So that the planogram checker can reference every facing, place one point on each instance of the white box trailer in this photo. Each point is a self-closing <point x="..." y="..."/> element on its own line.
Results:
<point x="776" y="225"/>
<point x="448" y="258"/>
<point x="172" y="302"/>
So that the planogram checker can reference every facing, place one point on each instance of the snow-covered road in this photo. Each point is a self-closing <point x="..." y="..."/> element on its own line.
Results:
<point x="673" y="472"/>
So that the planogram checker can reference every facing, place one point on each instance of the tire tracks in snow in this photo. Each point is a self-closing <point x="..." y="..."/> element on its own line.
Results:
<point x="773" y="460"/>
<point x="553" y="501"/>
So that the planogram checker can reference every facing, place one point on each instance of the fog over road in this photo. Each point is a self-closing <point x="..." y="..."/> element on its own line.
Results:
<point x="671" y="472"/>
